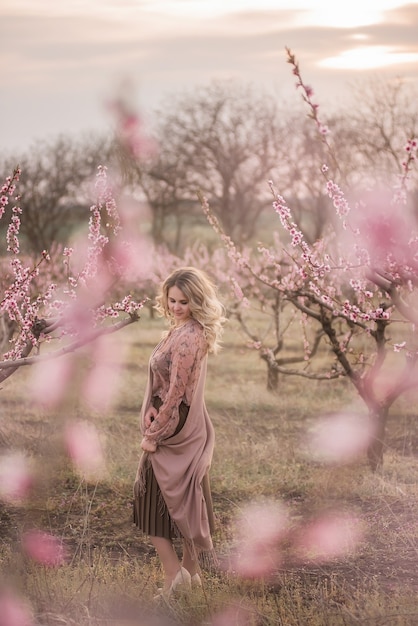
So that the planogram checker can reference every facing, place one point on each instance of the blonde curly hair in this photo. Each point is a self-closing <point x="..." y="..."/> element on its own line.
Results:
<point x="205" y="306"/>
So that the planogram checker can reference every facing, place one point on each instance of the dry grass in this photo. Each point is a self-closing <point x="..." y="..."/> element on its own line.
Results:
<point x="112" y="572"/>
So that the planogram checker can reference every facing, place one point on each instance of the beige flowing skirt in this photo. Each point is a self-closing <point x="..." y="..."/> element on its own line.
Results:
<point x="150" y="514"/>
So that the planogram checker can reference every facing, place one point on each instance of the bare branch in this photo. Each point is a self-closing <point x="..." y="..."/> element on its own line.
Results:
<point x="273" y="363"/>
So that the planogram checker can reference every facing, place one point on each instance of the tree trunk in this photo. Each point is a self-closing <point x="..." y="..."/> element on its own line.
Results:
<point x="7" y="328"/>
<point x="272" y="378"/>
<point x="376" y="447"/>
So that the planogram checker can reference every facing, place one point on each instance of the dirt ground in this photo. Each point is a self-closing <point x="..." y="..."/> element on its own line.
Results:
<point x="387" y="555"/>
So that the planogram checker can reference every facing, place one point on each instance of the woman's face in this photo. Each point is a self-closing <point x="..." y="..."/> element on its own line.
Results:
<point x="178" y="305"/>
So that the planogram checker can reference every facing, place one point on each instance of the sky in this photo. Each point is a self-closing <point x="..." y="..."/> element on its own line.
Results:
<point x="61" y="61"/>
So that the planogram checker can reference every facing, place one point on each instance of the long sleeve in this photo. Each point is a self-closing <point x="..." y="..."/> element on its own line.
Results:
<point x="184" y="355"/>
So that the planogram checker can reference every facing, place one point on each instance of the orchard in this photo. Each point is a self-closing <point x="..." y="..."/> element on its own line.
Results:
<point x="331" y="297"/>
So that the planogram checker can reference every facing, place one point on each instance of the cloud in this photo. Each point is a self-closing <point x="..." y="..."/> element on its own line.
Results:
<point x="399" y="28"/>
<point x="66" y="65"/>
<point x="391" y="44"/>
<point x="59" y="44"/>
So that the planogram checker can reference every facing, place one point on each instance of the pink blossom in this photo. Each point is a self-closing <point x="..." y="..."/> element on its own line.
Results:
<point x="337" y="195"/>
<point x="84" y="448"/>
<point x="78" y="317"/>
<point x="329" y="536"/>
<point x="12" y="235"/>
<point x="16" y="477"/>
<point x="134" y="257"/>
<point x="44" y="548"/>
<point x="385" y="233"/>
<point x="386" y="381"/>
<point x="130" y="128"/>
<point x="255" y="344"/>
<point x="339" y="437"/>
<point x="13" y="610"/>
<point x="102" y="381"/>
<point x="260" y="529"/>
<point x="234" y="615"/>
<point x="237" y="289"/>
<point x="49" y="380"/>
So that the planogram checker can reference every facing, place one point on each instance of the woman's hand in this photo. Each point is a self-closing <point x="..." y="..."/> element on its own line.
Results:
<point x="150" y="416"/>
<point x="148" y="446"/>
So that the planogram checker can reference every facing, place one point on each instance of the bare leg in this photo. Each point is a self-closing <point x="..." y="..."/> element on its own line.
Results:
<point x="189" y="560"/>
<point x="168" y="557"/>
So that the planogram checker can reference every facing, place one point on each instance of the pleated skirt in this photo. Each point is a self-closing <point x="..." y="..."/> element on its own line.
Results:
<point x="150" y="513"/>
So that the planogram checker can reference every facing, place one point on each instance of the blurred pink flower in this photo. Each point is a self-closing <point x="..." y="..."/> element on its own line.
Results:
<point x="44" y="548"/>
<point x="260" y="529"/>
<point x="134" y="257"/>
<point x="49" y="381"/>
<point x="13" y="610"/>
<point x="129" y="125"/>
<point x="78" y="318"/>
<point x="85" y="450"/>
<point x="234" y="615"/>
<point x="16" y="477"/>
<point x="134" y="213"/>
<point x="387" y="382"/>
<point x="102" y="381"/>
<point x="340" y="437"/>
<point x="330" y="535"/>
<point x="385" y="232"/>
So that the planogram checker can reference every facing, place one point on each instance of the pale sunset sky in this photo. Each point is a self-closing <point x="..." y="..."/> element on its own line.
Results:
<point x="62" y="60"/>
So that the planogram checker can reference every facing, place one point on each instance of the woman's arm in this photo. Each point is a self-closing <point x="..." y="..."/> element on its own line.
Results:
<point x="187" y="352"/>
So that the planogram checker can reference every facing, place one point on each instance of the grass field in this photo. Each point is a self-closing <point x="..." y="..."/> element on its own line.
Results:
<point x="111" y="572"/>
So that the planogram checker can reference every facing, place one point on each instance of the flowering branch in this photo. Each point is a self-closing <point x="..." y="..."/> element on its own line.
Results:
<point x="72" y="347"/>
<point x="307" y="96"/>
<point x="349" y="283"/>
<point x="78" y="304"/>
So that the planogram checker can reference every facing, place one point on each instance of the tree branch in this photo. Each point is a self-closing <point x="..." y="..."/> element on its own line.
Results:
<point x="275" y="364"/>
<point x="8" y="367"/>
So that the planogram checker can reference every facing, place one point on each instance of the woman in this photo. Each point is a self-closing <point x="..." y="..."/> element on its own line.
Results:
<point x="171" y="493"/>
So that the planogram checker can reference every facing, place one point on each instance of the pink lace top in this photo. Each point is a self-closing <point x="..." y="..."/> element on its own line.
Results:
<point x="175" y="363"/>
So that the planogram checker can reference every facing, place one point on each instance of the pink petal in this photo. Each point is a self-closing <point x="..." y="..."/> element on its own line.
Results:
<point x="44" y="548"/>
<point x="384" y="231"/>
<point x="234" y="615"/>
<point x="340" y="437"/>
<point x="103" y="380"/>
<point x="135" y="256"/>
<point x="78" y="317"/>
<point x="16" y="477"/>
<point x="129" y="124"/>
<point x="329" y="536"/>
<point x="13" y="610"/>
<point x="260" y="529"/>
<point x="84" y="448"/>
<point x="49" y="381"/>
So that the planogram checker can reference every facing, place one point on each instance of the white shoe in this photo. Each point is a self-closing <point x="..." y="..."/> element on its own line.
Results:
<point x="182" y="580"/>
<point x="196" y="580"/>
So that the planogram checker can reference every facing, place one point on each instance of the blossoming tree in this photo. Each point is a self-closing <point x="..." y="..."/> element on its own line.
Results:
<point x="355" y="287"/>
<point x="76" y="308"/>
